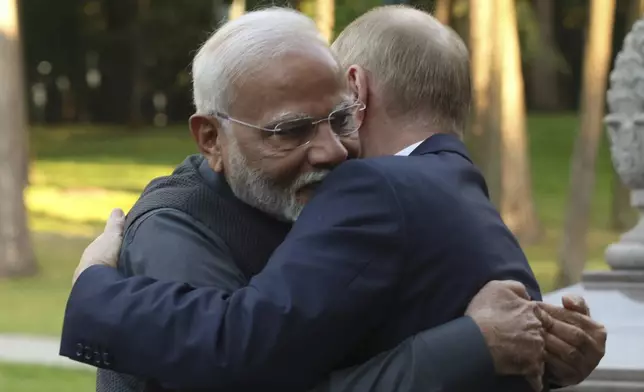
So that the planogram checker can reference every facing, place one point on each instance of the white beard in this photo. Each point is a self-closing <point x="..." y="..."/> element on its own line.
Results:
<point x="255" y="188"/>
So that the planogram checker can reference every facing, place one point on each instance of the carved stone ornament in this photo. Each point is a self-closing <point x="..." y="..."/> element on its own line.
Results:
<point x="625" y="125"/>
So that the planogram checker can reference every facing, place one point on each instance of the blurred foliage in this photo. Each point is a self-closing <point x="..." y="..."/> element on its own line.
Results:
<point x="144" y="47"/>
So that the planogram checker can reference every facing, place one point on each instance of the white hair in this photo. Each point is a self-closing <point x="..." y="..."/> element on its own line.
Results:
<point x="241" y="47"/>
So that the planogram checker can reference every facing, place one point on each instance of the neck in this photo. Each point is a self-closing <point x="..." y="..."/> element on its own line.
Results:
<point x="390" y="136"/>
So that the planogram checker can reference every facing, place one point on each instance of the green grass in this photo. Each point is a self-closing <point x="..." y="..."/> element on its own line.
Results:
<point x="36" y="305"/>
<point x="80" y="173"/>
<point x="22" y="378"/>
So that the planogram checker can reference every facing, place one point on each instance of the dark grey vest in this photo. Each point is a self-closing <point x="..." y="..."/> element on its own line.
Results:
<point x="251" y="235"/>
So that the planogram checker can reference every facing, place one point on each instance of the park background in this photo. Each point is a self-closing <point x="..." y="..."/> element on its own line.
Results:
<point x="106" y="92"/>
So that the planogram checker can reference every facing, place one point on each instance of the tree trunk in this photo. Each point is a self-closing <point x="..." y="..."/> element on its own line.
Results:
<point x="16" y="254"/>
<point x="492" y="135"/>
<point x="516" y="205"/>
<point x="325" y="17"/>
<point x="443" y="11"/>
<point x="622" y="215"/>
<point x="481" y="48"/>
<point x="597" y="55"/>
<point x="237" y="9"/>
<point x="543" y="70"/>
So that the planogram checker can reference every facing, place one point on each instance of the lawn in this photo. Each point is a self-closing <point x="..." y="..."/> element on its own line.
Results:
<point x="22" y="378"/>
<point x="80" y="173"/>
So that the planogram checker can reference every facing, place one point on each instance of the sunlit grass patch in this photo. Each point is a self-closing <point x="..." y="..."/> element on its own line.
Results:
<point x="28" y="378"/>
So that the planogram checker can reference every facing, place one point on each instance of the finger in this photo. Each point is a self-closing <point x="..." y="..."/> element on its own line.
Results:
<point x="559" y="348"/>
<point x="517" y="288"/>
<point x="570" y="317"/>
<point x="578" y="342"/>
<point x="576" y="304"/>
<point x="115" y="222"/>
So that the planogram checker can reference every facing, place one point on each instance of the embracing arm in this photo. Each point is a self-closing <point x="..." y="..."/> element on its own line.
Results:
<point x="330" y="282"/>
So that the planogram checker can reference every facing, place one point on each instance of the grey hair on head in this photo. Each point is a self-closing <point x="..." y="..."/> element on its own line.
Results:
<point x="240" y="47"/>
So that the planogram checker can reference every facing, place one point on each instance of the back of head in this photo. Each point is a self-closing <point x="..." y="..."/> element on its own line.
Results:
<point x="419" y="66"/>
<point x="240" y="47"/>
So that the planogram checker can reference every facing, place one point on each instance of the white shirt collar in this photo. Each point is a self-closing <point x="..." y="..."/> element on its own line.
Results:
<point x="409" y="149"/>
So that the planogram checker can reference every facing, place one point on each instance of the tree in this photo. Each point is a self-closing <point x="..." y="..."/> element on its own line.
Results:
<point x="543" y="68"/>
<point x="16" y="255"/>
<point x="325" y="17"/>
<point x="443" y="11"/>
<point x="597" y="54"/>
<point x="622" y="215"/>
<point x="516" y="203"/>
<point x="237" y="9"/>
<point x="481" y="17"/>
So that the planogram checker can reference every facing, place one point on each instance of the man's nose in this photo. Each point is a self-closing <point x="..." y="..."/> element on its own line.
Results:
<point x="325" y="149"/>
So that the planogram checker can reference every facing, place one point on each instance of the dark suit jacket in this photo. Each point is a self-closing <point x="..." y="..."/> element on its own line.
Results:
<point x="388" y="247"/>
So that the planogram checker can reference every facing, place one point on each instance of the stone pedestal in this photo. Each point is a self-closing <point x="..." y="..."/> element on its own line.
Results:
<point x="616" y="297"/>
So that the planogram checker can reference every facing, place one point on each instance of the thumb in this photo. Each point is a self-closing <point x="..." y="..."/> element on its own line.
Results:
<point x="576" y="304"/>
<point x="517" y="288"/>
<point x="115" y="222"/>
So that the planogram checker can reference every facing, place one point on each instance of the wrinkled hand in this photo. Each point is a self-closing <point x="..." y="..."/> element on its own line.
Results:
<point x="105" y="248"/>
<point x="575" y="343"/>
<point x="512" y="327"/>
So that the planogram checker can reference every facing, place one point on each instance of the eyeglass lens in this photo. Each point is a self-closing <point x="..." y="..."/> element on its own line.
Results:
<point x="295" y="133"/>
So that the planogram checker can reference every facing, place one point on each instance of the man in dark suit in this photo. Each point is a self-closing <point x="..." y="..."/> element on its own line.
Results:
<point x="387" y="247"/>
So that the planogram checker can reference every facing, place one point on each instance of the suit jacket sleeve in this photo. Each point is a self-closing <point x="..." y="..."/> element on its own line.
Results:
<point x="328" y="284"/>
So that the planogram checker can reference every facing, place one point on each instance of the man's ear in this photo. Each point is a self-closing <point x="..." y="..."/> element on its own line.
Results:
<point x="357" y="80"/>
<point x="207" y="134"/>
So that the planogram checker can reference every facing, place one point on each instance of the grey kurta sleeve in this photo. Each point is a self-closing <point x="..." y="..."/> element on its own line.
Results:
<point x="170" y="245"/>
